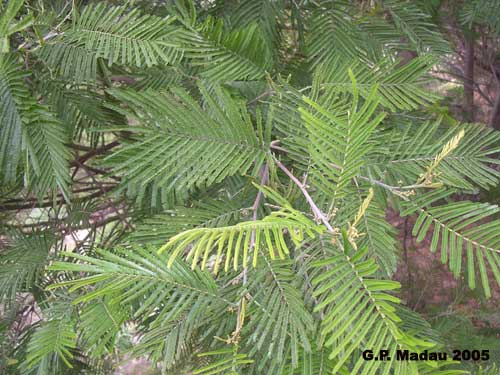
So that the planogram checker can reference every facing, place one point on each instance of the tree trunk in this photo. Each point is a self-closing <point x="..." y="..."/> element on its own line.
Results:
<point x="469" y="79"/>
<point x="495" y="113"/>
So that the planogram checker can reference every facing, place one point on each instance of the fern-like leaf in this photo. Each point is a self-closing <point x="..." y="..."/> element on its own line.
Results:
<point x="223" y="361"/>
<point x="338" y="145"/>
<point x="416" y="26"/>
<point x="459" y="229"/>
<point x="53" y="343"/>
<point x="399" y="87"/>
<point x="13" y="94"/>
<point x="483" y="12"/>
<point x="100" y="322"/>
<point x="114" y="34"/>
<point x="213" y="213"/>
<point x="226" y="56"/>
<point x="30" y="127"/>
<point x="278" y="318"/>
<point x="374" y="231"/>
<point x="467" y="166"/>
<point x="191" y="148"/>
<point x="370" y="317"/>
<point x="168" y="303"/>
<point x="44" y="139"/>
<point x="242" y="242"/>
<point x="22" y="264"/>
<point x="334" y="35"/>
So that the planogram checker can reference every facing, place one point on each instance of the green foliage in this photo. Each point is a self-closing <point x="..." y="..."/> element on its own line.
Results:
<point x="457" y="229"/>
<point x="337" y="145"/>
<point x="204" y="185"/>
<point x="343" y="29"/>
<point x="278" y="298"/>
<point x="51" y="345"/>
<point x="369" y="318"/>
<point x="238" y="55"/>
<point x="335" y="34"/>
<point x="415" y="25"/>
<point x="208" y="213"/>
<point x="44" y="138"/>
<point x="468" y="166"/>
<point x="55" y="339"/>
<point x="399" y="87"/>
<point x="244" y="239"/>
<point x="113" y="34"/>
<point x="22" y="264"/>
<point x="13" y="94"/>
<point x="29" y="128"/>
<point x="229" y="364"/>
<point x="175" y="125"/>
<point x="8" y="24"/>
<point x="483" y="12"/>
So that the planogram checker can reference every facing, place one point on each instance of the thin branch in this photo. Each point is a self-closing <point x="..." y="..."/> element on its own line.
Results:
<point x="265" y="94"/>
<point x="274" y="146"/>
<point x="34" y="203"/>
<point x="79" y="147"/>
<point x="264" y="177"/>
<point x="91" y="174"/>
<point x="394" y="189"/>
<point x="94" y="152"/>
<point x="53" y="33"/>
<point x="263" y="180"/>
<point x="317" y="212"/>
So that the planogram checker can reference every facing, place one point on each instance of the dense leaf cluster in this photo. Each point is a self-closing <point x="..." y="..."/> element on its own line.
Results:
<point x="222" y="170"/>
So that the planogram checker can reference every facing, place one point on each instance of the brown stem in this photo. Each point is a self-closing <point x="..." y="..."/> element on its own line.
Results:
<point x="32" y="203"/>
<point x="405" y="253"/>
<point x="495" y="112"/>
<point x="265" y="94"/>
<point x="94" y="152"/>
<point x="263" y="180"/>
<point x="469" y="79"/>
<point x="317" y="212"/>
<point x="91" y="174"/>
